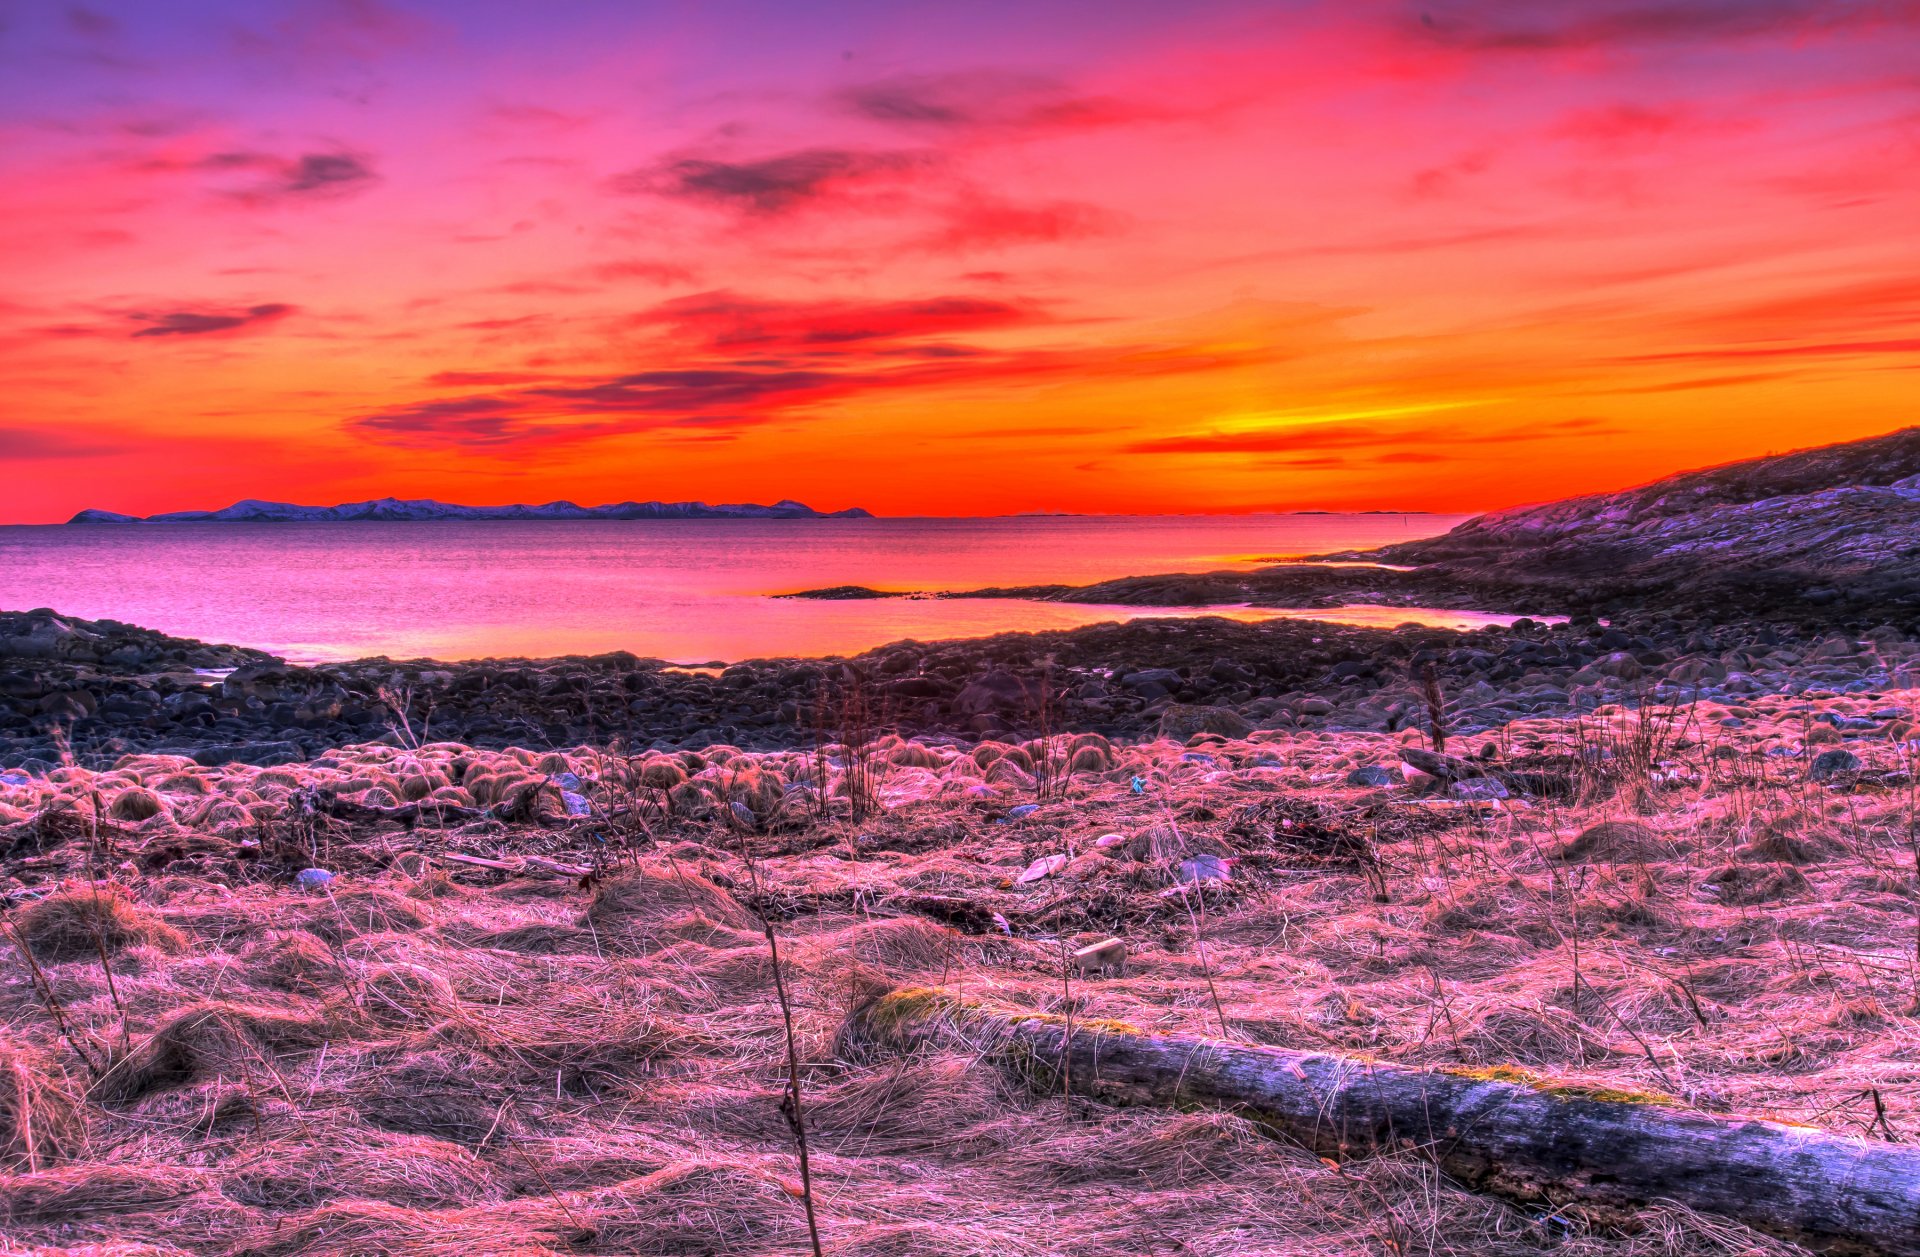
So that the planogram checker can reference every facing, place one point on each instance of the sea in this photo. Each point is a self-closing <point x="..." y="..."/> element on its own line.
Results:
<point x="694" y="592"/>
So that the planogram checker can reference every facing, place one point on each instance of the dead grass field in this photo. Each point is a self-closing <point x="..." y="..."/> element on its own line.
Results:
<point x="426" y="1056"/>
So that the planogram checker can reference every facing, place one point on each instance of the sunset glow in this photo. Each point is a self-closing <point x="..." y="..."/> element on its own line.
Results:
<point x="960" y="259"/>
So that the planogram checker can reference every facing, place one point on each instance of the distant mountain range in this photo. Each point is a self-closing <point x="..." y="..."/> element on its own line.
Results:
<point x="253" y="511"/>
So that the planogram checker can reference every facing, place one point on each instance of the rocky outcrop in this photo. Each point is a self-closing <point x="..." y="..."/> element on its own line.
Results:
<point x="1830" y="526"/>
<point x="1829" y="534"/>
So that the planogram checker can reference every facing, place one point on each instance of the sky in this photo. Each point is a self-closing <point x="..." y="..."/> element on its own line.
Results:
<point x="1113" y="256"/>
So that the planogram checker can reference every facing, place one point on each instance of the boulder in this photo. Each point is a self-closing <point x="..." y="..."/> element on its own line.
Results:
<point x="1183" y="720"/>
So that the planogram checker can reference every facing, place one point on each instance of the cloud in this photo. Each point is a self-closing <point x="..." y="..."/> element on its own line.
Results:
<point x="1319" y="437"/>
<point x="1557" y="25"/>
<point x="647" y="271"/>
<point x="326" y="172"/>
<point x="40" y="443"/>
<point x="712" y="398"/>
<point x="977" y="99"/>
<point x="1828" y="349"/>
<point x="482" y="379"/>
<point x="731" y="322"/>
<point x="207" y="323"/>
<point x="272" y="179"/>
<point x="985" y="222"/>
<point x="770" y="186"/>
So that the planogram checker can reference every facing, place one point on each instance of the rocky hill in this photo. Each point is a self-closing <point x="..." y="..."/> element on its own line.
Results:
<point x="1828" y="535"/>
<point x="1827" y="526"/>
<point x="253" y="511"/>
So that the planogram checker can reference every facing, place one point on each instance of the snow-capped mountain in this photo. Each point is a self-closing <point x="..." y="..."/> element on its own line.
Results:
<point x="253" y="511"/>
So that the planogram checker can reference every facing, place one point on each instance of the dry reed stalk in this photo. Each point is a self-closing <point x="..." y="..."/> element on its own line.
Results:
<point x="792" y="1100"/>
<point x="43" y="989"/>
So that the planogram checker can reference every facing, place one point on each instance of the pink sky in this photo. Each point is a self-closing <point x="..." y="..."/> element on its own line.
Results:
<point x="946" y="259"/>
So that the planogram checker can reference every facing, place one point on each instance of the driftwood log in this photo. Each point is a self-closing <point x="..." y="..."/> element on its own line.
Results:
<point x="1603" y="1152"/>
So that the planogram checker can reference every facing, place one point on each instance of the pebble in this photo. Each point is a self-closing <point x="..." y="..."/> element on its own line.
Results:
<point x="312" y="879"/>
<point x="1370" y="775"/>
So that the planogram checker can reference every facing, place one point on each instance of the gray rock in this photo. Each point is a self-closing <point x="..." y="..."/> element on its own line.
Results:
<point x="1370" y="775"/>
<point x="1478" y="789"/>
<point x="1183" y="720"/>
<point x="258" y="754"/>
<point x="1834" y="765"/>
<point x="312" y="879"/>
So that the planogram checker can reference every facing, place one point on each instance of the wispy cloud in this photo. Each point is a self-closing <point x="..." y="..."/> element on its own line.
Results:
<point x="36" y="444"/>
<point x="305" y="177"/>
<point x="773" y="185"/>
<point x="204" y="322"/>
<point x="1001" y="100"/>
<point x="1555" y="25"/>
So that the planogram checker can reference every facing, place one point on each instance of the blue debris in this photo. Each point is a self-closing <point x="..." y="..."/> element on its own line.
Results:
<point x="567" y="781"/>
<point x="1203" y="868"/>
<point x="1138" y="785"/>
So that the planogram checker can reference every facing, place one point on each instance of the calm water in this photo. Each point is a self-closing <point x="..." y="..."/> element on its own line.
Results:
<point x="686" y="590"/>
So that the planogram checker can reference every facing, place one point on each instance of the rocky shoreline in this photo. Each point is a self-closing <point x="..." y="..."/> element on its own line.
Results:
<point x="1785" y="575"/>
<point x="97" y="690"/>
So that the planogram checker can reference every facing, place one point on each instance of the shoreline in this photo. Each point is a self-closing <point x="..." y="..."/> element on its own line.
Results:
<point x="99" y="689"/>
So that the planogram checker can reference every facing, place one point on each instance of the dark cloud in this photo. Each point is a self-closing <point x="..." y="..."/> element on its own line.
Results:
<point x="456" y="421"/>
<point x="206" y="323"/>
<point x="326" y="172"/>
<point x="742" y="362"/>
<point x="1552" y="25"/>
<point x="982" y="99"/>
<point x="734" y="323"/>
<point x="686" y="393"/>
<point x="309" y="176"/>
<point x="710" y="398"/>
<point x="769" y="186"/>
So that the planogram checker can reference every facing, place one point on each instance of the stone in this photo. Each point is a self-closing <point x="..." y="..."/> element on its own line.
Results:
<point x="996" y="691"/>
<point x="1478" y="789"/>
<point x="312" y="879"/>
<point x="1183" y="720"/>
<point x="1834" y="766"/>
<point x="1371" y="775"/>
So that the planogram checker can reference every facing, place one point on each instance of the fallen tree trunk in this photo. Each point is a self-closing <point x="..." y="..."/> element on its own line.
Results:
<point x="1605" y="1152"/>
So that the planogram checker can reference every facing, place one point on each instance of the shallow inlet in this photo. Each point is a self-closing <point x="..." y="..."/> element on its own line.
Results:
<point x="684" y="590"/>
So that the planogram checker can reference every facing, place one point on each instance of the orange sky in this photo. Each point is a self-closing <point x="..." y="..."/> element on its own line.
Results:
<point x="948" y="259"/>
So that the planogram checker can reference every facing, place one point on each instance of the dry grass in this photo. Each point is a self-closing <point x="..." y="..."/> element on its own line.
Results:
<point x="432" y="1057"/>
